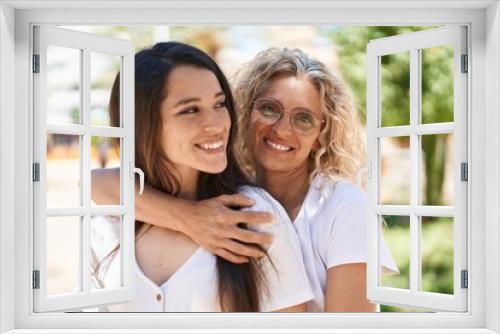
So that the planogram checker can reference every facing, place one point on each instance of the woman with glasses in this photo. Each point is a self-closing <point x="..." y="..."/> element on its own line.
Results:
<point x="300" y="142"/>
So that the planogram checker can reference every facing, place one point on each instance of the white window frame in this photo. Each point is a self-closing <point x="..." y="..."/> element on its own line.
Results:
<point x="85" y="44"/>
<point x="412" y="44"/>
<point x="483" y="18"/>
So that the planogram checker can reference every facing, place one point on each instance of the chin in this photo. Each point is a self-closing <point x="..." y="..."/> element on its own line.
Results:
<point x="214" y="168"/>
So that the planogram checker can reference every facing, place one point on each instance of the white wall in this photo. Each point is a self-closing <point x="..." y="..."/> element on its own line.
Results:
<point x="493" y="163"/>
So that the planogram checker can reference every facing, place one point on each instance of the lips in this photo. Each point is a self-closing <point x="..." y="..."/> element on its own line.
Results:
<point x="277" y="146"/>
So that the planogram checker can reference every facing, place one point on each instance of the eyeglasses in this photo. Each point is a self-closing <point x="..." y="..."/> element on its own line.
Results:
<point x="270" y="111"/>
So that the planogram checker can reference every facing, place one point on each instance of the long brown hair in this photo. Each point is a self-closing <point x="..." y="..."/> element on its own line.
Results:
<point x="239" y="285"/>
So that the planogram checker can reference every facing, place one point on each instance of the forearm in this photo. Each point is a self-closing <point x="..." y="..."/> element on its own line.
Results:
<point x="153" y="206"/>
<point x="346" y="289"/>
<point x="161" y="209"/>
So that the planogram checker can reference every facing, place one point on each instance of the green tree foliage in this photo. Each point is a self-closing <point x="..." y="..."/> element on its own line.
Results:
<point x="437" y="92"/>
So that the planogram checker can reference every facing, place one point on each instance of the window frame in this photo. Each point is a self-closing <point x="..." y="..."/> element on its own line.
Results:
<point x="85" y="44"/>
<point x="483" y="17"/>
<point x="414" y="44"/>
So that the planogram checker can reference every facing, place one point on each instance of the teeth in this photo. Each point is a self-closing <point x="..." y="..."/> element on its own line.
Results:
<point x="278" y="146"/>
<point x="212" y="146"/>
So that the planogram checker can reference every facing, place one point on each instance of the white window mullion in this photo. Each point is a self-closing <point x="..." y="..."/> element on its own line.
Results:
<point x="373" y="192"/>
<point x="76" y="129"/>
<point x="414" y="169"/>
<point x="419" y="129"/>
<point x="128" y="157"/>
<point x="85" y="158"/>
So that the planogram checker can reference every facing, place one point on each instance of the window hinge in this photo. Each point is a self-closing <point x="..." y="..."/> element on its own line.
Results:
<point x="36" y="63"/>
<point x="464" y="171"/>
<point x="465" y="66"/>
<point x="36" y="172"/>
<point x="465" y="279"/>
<point x="36" y="279"/>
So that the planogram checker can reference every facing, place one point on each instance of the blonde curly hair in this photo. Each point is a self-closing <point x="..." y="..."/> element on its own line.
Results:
<point x="342" y="151"/>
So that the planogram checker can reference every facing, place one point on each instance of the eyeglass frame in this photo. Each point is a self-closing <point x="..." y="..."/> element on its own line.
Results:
<point x="291" y="113"/>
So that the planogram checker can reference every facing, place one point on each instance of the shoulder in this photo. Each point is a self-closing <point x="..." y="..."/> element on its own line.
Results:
<point x="339" y="194"/>
<point x="264" y="202"/>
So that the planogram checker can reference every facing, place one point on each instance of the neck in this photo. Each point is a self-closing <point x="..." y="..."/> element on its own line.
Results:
<point x="289" y="187"/>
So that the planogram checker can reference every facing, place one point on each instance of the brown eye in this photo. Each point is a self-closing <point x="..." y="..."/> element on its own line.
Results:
<point x="269" y="110"/>
<point x="304" y="119"/>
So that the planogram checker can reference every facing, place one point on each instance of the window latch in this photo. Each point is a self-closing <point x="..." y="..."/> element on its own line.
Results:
<point x="134" y="170"/>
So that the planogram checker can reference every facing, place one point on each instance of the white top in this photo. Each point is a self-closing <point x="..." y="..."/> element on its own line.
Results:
<point x="332" y="228"/>
<point x="193" y="287"/>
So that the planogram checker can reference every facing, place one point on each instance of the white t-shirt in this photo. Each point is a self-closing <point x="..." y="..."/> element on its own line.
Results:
<point x="332" y="228"/>
<point x="193" y="287"/>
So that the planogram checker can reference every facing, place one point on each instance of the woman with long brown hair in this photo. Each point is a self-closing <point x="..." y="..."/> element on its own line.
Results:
<point x="185" y="131"/>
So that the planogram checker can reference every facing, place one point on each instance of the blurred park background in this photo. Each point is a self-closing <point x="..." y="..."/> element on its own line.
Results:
<point x="343" y="49"/>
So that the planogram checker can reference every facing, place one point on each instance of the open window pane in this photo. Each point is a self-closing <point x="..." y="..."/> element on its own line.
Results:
<point x="437" y="254"/>
<point x="63" y="85"/>
<point x="437" y="165"/>
<point x="437" y="154"/>
<point x="437" y="84"/>
<point x="64" y="150"/>
<point x="63" y="171"/>
<point x="105" y="153"/>
<point x="395" y="170"/>
<point x="395" y="89"/>
<point x="105" y="252"/>
<point x="396" y="232"/>
<point x="63" y="255"/>
<point x="103" y="71"/>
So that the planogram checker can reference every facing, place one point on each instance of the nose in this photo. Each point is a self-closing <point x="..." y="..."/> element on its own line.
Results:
<point x="216" y="122"/>
<point x="284" y="125"/>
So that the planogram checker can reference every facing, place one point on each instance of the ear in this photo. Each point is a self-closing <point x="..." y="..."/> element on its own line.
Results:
<point x="316" y="146"/>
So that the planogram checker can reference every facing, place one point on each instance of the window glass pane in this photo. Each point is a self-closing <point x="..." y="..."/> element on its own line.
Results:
<point x="63" y="170"/>
<point x="437" y="254"/>
<point x="437" y="181"/>
<point x="437" y="84"/>
<point x="396" y="232"/>
<point x="395" y="170"/>
<point x="63" y="85"/>
<point x="103" y="71"/>
<point x="105" y="251"/>
<point x="395" y="89"/>
<point x="63" y="254"/>
<point x="105" y="153"/>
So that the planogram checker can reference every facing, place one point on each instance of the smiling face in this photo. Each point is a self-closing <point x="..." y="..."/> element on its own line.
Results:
<point x="279" y="147"/>
<point x="196" y="122"/>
